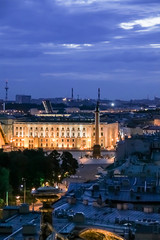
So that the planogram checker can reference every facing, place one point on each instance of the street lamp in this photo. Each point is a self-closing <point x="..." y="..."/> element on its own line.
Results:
<point x="11" y="141"/>
<point x="24" y="190"/>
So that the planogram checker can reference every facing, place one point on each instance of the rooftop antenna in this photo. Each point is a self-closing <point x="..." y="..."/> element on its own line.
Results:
<point x="6" y="88"/>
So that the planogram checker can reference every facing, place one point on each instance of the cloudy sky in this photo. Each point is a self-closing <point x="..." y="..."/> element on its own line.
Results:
<point x="49" y="46"/>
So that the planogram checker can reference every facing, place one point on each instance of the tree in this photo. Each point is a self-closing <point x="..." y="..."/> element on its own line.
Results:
<point x="52" y="167"/>
<point x="4" y="182"/>
<point x="69" y="164"/>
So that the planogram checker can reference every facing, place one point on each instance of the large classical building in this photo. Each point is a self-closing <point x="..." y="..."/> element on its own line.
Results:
<point x="63" y="135"/>
<point x="59" y="132"/>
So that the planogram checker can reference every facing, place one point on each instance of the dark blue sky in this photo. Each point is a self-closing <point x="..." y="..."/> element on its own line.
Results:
<point x="49" y="46"/>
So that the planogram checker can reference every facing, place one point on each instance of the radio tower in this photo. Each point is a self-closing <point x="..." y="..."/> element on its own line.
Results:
<point x="72" y="94"/>
<point x="6" y="88"/>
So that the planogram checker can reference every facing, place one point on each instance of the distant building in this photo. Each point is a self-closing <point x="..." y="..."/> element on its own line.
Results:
<point x="23" y="99"/>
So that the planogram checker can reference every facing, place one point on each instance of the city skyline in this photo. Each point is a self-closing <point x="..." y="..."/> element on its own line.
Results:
<point x="48" y="47"/>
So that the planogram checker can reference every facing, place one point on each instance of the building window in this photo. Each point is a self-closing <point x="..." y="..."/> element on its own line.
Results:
<point x="83" y="134"/>
<point x="41" y="144"/>
<point x="67" y="128"/>
<point x="62" y="134"/>
<point x="72" y="129"/>
<point x="84" y="129"/>
<point x="52" y="129"/>
<point x="72" y="140"/>
<point x="46" y="128"/>
<point x="73" y="134"/>
<point x="30" y="128"/>
<point x="102" y="134"/>
<point x="41" y="128"/>
<point x="16" y="133"/>
<point x="67" y="140"/>
<point x="57" y="129"/>
<point x="78" y="129"/>
<point x="46" y="140"/>
<point x="57" y="134"/>
<point x="62" y="145"/>
<point x="101" y="128"/>
<point x="63" y="129"/>
<point x="62" y="140"/>
<point x="67" y="134"/>
<point x="73" y="145"/>
<point x="46" y="144"/>
<point x="16" y="128"/>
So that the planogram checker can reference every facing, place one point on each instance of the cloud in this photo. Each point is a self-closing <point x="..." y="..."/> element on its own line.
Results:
<point x="155" y="45"/>
<point x="144" y="23"/>
<point x="79" y="76"/>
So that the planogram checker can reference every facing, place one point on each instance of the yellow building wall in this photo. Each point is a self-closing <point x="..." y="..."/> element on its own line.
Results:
<point x="58" y="135"/>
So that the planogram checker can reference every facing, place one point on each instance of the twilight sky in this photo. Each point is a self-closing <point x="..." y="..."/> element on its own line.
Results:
<point x="49" y="46"/>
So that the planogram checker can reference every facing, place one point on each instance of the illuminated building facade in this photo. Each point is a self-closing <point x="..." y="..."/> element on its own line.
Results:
<point x="63" y="135"/>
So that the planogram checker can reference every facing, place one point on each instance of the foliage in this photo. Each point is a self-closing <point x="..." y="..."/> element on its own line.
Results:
<point x="4" y="181"/>
<point x="35" y="166"/>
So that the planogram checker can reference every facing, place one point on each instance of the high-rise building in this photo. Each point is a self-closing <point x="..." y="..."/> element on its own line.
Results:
<point x="23" y="98"/>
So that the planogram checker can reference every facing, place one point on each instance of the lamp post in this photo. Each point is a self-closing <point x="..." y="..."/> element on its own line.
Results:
<point x="24" y="190"/>
<point x="11" y="141"/>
